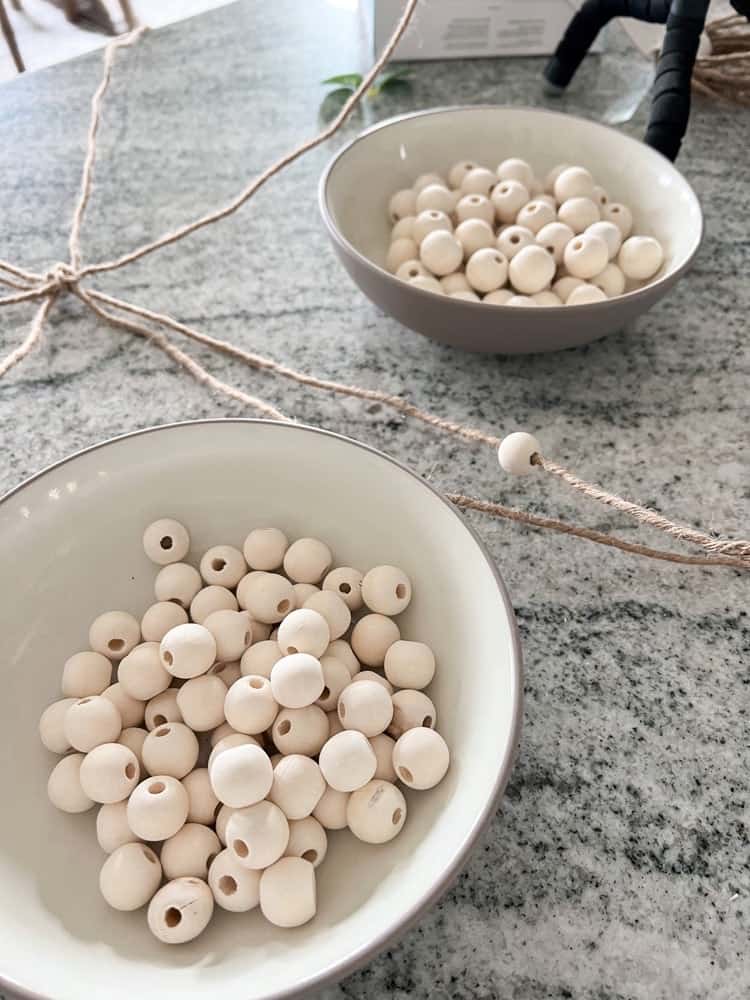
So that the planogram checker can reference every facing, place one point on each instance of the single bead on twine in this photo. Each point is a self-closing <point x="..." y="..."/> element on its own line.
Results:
<point x="516" y="451"/>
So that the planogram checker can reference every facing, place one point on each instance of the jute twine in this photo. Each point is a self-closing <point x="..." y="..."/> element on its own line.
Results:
<point x="67" y="277"/>
<point x="725" y="74"/>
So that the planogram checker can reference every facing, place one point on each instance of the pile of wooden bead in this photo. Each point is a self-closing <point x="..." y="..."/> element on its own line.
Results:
<point x="504" y="238"/>
<point x="240" y="727"/>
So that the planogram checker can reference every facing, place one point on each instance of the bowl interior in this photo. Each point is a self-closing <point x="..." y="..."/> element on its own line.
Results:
<point x="391" y="155"/>
<point x="71" y="544"/>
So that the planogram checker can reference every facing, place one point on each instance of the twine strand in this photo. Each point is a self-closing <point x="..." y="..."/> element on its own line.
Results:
<point x="32" y="337"/>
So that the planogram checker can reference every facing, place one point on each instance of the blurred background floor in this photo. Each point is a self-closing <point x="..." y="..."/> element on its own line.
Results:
<point x="44" y="36"/>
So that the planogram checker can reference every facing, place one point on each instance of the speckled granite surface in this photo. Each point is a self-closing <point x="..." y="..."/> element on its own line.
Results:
<point x="618" y="864"/>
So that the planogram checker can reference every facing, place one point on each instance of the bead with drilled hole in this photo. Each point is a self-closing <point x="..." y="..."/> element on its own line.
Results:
<point x="180" y="910"/>
<point x="130" y="876"/>
<point x="166" y="541"/>
<point x="234" y="888"/>
<point x="421" y="758"/>
<point x="376" y="813"/>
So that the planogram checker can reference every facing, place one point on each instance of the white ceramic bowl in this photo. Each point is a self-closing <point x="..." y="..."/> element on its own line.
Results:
<point x="70" y="539"/>
<point x="357" y="184"/>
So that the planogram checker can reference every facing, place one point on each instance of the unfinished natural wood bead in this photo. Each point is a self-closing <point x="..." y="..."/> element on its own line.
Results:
<point x="475" y="206"/>
<point x="440" y="252"/>
<point x="410" y="709"/>
<point x="479" y="180"/>
<point x="424" y="180"/>
<point x="402" y="203"/>
<point x="554" y="173"/>
<point x="611" y="281"/>
<point x="158" y="808"/>
<point x="548" y="199"/>
<point x="500" y="297"/>
<point x="201" y="702"/>
<point x="428" y="222"/>
<point x="180" y="910"/>
<point x="221" y="731"/>
<point x="521" y="300"/>
<point x="531" y="270"/>
<point x="508" y="198"/>
<point x="382" y="746"/>
<point x="515" y="169"/>
<point x="584" y="294"/>
<point x="230" y="741"/>
<point x="535" y="215"/>
<point x="579" y="213"/>
<point x="366" y="707"/>
<point x="409" y="664"/>
<point x="227" y="673"/>
<point x="297" y="679"/>
<point x="427" y="284"/>
<point x="403" y="228"/>
<point x="436" y="197"/>
<point x="307" y="840"/>
<point x="401" y="250"/>
<point x="407" y="271"/>
<point x="133" y="738"/>
<point x="288" y="893"/>
<point x="554" y="237"/>
<point x="307" y="560"/>
<point x="334" y="724"/>
<point x="264" y="548"/>
<point x="64" y="785"/>
<point x="114" y="634"/>
<point x="371" y="675"/>
<point x="421" y="758"/>
<point x="600" y="196"/>
<point x="129" y="877"/>
<point x="459" y="170"/>
<point x="546" y="298"/>
<point x="609" y="232"/>
<point x="300" y="730"/>
<point x="377" y="812"/>
<point x="347" y="761"/>
<point x="222" y="819"/>
<point x="250" y="705"/>
<point x="160" y="618"/>
<point x="621" y="215"/>
<point x="468" y="296"/>
<point x="586" y="256"/>
<point x="640" y="257"/>
<point x="456" y="282"/>
<point x="211" y="599"/>
<point x="85" y="674"/>
<point x="223" y="566"/>
<point x="473" y="235"/>
<point x="516" y="451"/>
<point x="335" y="678"/>
<point x="333" y="609"/>
<point x="109" y="773"/>
<point x="52" y="726"/>
<point x="202" y="801"/>
<point x="304" y="631"/>
<point x="342" y="651"/>
<point x="177" y="582"/>
<point x="513" y="239"/>
<point x="171" y="749"/>
<point x="141" y="673"/>
<point x="232" y="633"/>
<point x="235" y="888"/>
<point x="297" y="786"/>
<point x="90" y="722"/>
<point x="241" y="776"/>
<point x="330" y="812"/>
<point x="575" y="182"/>
<point x="189" y="852"/>
<point x="166" y="541"/>
<point x="258" y="835"/>
<point x="371" y="637"/>
<point x="259" y="659"/>
<point x="112" y="830"/>
<point x="346" y="582"/>
<point x="131" y="709"/>
<point x="564" y="286"/>
<point x="187" y="650"/>
<point x="162" y="709"/>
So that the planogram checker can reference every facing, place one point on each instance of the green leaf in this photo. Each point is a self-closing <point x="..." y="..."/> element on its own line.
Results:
<point x="333" y="102"/>
<point x="350" y="80"/>
<point x="397" y="74"/>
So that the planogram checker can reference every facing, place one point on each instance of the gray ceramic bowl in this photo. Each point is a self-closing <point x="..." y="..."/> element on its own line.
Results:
<point x="358" y="182"/>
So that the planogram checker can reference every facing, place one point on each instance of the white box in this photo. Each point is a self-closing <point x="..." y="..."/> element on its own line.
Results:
<point x="457" y="29"/>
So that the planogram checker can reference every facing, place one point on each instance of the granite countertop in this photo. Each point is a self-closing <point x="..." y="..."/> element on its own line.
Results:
<point x="617" y="866"/>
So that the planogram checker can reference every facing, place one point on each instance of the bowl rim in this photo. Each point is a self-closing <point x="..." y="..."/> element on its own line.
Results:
<point x="633" y="296"/>
<point x="368" y="951"/>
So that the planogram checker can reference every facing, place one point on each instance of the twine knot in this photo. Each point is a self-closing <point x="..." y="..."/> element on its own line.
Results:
<point x="62" y="277"/>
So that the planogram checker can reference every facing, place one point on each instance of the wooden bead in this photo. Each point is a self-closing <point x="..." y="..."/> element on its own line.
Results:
<point x="189" y="852"/>
<point x="258" y="836"/>
<point x="180" y="910"/>
<point x="549" y="180"/>
<point x="201" y="702"/>
<point x="371" y="675"/>
<point x="424" y="180"/>
<point x="535" y="215"/>
<point x="548" y="199"/>
<point x="64" y="785"/>
<point x="202" y="801"/>
<point x="408" y="270"/>
<point x="403" y="228"/>
<point x="554" y="237"/>
<point x="177" y="582"/>
<point x="171" y="749"/>
<point x="109" y="773"/>
<point x="287" y="892"/>
<point x="456" y="282"/>
<point x="515" y="169"/>
<point x="584" y="294"/>
<point x="304" y="631"/>
<point x="335" y="678"/>
<point x="575" y="182"/>
<point x="260" y="658"/>
<point x="330" y="812"/>
<point x="377" y="812"/>
<point x="579" y="213"/>
<point x="297" y="679"/>
<point x="428" y="222"/>
<point x="166" y="541"/>
<point x="250" y="705"/>
<point x="141" y="673"/>
<point x="500" y="297"/>
<point x="300" y="730"/>
<point x="222" y="819"/>
<point x="434" y="196"/>
<point x="421" y="758"/>
<point x="410" y="709"/>
<point x="232" y="633"/>
<point x="211" y="599"/>
<point x="131" y="709"/>
<point x="158" y="808"/>
<point x="640" y="257"/>
<point x="366" y="707"/>
<point x="409" y="664"/>
<point x="221" y="731"/>
<point x="241" y="776"/>
<point x="187" y="650"/>
<point x="621" y="215"/>
<point x="586" y="256"/>
<point x="112" y="830"/>
<point x="301" y="592"/>
<point x="600" y="196"/>
<point x="267" y="596"/>
<point x="402" y="203"/>
<point x="341" y="650"/>
<point x="473" y="235"/>
<point x="474" y="206"/>
<point x="297" y="786"/>
<point x="347" y="761"/>
<point x="611" y="235"/>
<point x="85" y="674"/>
<point x="516" y="451"/>
<point x="521" y="300"/>
<point x="426" y="284"/>
<point x="459" y="170"/>
<point x="382" y="746"/>
<point x="228" y="673"/>
<point x="531" y="269"/>
<point x="114" y="634"/>
<point x="371" y="637"/>
<point x="133" y="738"/>
<point x="466" y="296"/>
<point x="611" y="281"/>
<point x="513" y="239"/>
<point x="162" y="709"/>
<point x="223" y="566"/>
<point x="334" y="724"/>
<point x="52" y="726"/>
<point x="264" y="548"/>
<point x="90" y="722"/>
<point x="228" y="742"/>
<point x="235" y="888"/>
<point x="347" y="582"/>
<point x="479" y="180"/>
<point x="160" y="618"/>
<point x="440" y="252"/>
<point x="564" y="286"/>
<point x="129" y="877"/>
<point x="547" y="298"/>
<point x="401" y="250"/>
<point x="487" y="270"/>
<point x="332" y="608"/>
<point x="508" y="198"/>
<point x="308" y="840"/>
